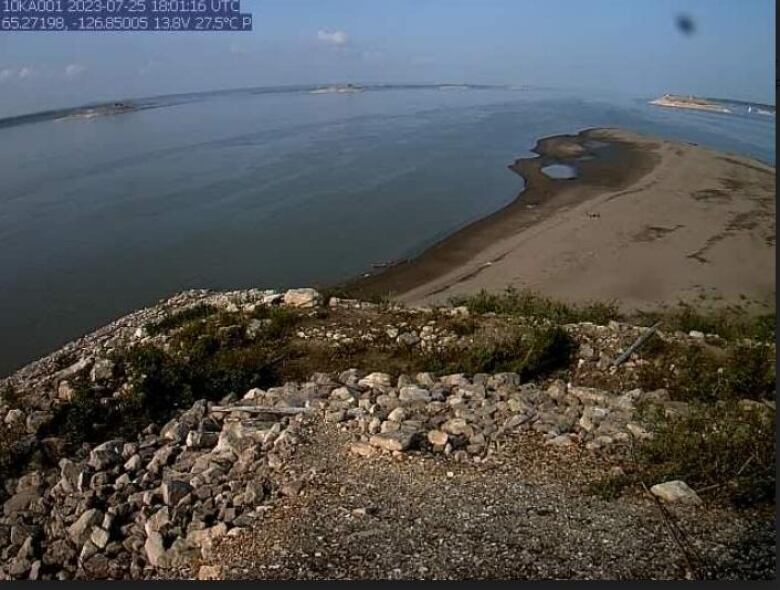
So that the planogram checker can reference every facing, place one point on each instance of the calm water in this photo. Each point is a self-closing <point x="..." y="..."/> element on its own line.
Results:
<point x="100" y="216"/>
<point x="560" y="171"/>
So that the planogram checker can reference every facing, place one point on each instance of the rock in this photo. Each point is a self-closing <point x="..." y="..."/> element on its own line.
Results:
<point x="65" y="391"/>
<point x="437" y="438"/>
<point x="14" y="416"/>
<point x="557" y="390"/>
<point x="210" y="572"/>
<point x="159" y="522"/>
<point x="105" y="455"/>
<point x="174" y="490"/>
<point x="426" y="379"/>
<point x="102" y="370"/>
<point x="563" y="440"/>
<point x="457" y="426"/>
<point x="81" y="530"/>
<point x="73" y="369"/>
<point x="20" y="502"/>
<point x="175" y="431"/>
<point x="676" y="492"/>
<point x="362" y="449"/>
<point x="155" y="550"/>
<point x="254" y="493"/>
<point x="414" y="394"/>
<point x="100" y="537"/>
<point x="133" y="464"/>
<point x="201" y="440"/>
<point x="392" y="441"/>
<point x="408" y="338"/>
<point x="397" y="415"/>
<point x="503" y="380"/>
<point x="377" y="380"/>
<point x="35" y="420"/>
<point x="302" y="298"/>
<point x="696" y="334"/>
<point x="335" y="416"/>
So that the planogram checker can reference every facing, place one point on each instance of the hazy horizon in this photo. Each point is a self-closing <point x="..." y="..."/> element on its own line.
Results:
<point x="631" y="48"/>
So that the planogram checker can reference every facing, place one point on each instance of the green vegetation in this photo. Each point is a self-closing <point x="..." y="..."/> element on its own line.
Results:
<point x="531" y="352"/>
<point x="180" y="318"/>
<point x="727" y="448"/>
<point x="209" y="357"/>
<point x="526" y="303"/>
<point x="700" y="373"/>
<point x="730" y="323"/>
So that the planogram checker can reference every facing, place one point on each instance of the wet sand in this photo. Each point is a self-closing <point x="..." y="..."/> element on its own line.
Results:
<point x="646" y="223"/>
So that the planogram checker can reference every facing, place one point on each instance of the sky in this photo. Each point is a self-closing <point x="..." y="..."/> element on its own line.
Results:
<point x="632" y="47"/>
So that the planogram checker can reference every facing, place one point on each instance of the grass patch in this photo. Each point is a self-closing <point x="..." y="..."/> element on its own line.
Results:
<point x="612" y="486"/>
<point x="180" y="318"/>
<point x="530" y="352"/>
<point x="526" y="303"/>
<point x="729" y="323"/>
<point x="728" y="448"/>
<point x="213" y="354"/>
<point x="699" y="373"/>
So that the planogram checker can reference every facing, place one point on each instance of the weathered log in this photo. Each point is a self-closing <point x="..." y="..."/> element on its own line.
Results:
<point x="637" y="343"/>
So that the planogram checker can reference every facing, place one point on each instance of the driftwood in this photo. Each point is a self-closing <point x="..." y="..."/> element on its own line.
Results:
<point x="637" y="343"/>
<point x="261" y="410"/>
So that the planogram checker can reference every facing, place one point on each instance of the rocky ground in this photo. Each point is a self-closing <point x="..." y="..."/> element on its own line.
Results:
<point x="356" y="473"/>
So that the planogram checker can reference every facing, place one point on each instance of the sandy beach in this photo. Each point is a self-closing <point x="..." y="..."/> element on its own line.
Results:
<point x="646" y="223"/>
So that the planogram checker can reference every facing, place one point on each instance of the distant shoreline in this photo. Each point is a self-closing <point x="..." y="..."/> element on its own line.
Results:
<point x="689" y="102"/>
<point x="647" y="223"/>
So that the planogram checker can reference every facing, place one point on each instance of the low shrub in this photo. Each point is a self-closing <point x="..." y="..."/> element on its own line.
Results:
<point x="526" y="303"/>
<point x="696" y="373"/>
<point x="728" y="448"/>
<point x="180" y="318"/>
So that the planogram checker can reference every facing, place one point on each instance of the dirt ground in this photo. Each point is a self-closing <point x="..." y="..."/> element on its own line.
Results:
<point x="524" y="513"/>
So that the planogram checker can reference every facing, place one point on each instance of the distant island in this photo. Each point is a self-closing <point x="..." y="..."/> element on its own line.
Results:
<point x="689" y="102"/>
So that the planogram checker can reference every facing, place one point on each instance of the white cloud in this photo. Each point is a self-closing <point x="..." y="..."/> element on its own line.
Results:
<point x="6" y="74"/>
<point x="73" y="70"/>
<point x="25" y="72"/>
<point x="337" y="38"/>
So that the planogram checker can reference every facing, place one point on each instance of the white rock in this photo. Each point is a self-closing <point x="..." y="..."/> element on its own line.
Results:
<point x="676" y="491"/>
<point x="414" y="394"/>
<point x="302" y="298"/>
<point x="375" y="380"/>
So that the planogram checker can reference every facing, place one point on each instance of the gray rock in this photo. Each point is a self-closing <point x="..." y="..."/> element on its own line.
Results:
<point x="106" y="455"/>
<point x="397" y="415"/>
<point x="414" y="394"/>
<point x="99" y="537"/>
<point x="20" y="502"/>
<point x="392" y="441"/>
<point x="155" y="550"/>
<point x="81" y="530"/>
<point x="377" y="380"/>
<point x="14" y="416"/>
<point x="102" y="370"/>
<point x="174" y="490"/>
